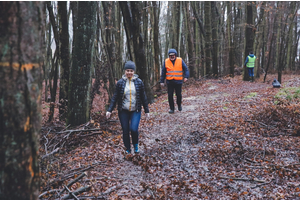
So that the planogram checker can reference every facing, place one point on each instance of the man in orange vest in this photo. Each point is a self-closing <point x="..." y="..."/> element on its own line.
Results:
<point x="175" y="72"/>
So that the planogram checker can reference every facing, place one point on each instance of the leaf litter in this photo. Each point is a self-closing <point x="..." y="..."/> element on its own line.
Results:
<point x="232" y="140"/>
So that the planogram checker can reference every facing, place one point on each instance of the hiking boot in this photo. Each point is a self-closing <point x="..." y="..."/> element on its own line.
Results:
<point x="136" y="148"/>
<point x="171" y="111"/>
<point x="179" y="108"/>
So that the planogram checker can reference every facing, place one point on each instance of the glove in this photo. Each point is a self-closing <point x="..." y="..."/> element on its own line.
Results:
<point x="147" y="115"/>
<point x="162" y="84"/>
<point x="108" y="114"/>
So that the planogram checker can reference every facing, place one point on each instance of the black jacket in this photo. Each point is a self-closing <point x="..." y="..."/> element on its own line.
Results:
<point x="141" y="98"/>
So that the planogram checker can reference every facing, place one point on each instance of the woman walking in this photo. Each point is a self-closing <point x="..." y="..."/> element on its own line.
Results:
<point x="130" y="97"/>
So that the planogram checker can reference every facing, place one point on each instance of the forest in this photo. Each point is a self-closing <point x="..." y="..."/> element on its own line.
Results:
<point x="234" y="139"/>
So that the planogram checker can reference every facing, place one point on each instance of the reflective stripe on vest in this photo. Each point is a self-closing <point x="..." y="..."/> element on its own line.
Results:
<point x="251" y="61"/>
<point x="174" y="72"/>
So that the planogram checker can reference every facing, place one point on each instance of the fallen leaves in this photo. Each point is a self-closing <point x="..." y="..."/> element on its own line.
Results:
<point x="221" y="145"/>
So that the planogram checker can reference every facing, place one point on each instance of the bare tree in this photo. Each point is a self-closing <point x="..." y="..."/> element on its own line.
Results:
<point x="132" y="20"/>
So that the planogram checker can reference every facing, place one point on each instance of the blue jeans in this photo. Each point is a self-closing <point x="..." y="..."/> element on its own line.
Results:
<point x="250" y="71"/>
<point x="130" y="123"/>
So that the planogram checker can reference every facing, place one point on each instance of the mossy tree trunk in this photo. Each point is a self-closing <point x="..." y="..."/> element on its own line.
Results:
<point x="21" y="50"/>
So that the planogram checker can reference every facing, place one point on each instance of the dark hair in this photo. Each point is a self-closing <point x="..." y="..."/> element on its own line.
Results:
<point x="251" y="52"/>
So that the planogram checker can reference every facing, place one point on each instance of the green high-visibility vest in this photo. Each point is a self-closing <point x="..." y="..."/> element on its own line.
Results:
<point x="251" y="61"/>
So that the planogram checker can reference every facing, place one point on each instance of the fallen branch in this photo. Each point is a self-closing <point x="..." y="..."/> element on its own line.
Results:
<point x="79" y="130"/>
<point x="48" y="192"/>
<point x="95" y="133"/>
<point x="242" y="179"/>
<point x="111" y="189"/>
<point x="72" y="182"/>
<point x="53" y="152"/>
<point x="76" y="192"/>
<point x="260" y="123"/>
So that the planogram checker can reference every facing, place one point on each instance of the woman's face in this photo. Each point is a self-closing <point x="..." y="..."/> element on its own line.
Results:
<point x="129" y="73"/>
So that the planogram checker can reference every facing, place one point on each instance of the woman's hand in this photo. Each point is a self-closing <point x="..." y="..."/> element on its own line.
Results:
<point x="108" y="114"/>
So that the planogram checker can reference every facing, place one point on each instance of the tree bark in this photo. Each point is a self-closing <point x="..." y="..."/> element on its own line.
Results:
<point x="132" y="21"/>
<point x="230" y="39"/>
<point x="207" y="12"/>
<point x="64" y="58"/>
<point x="21" y="50"/>
<point x="215" y="48"/>
<point x="249" y="35"/>
<point x="80" y="73"/>
<point x="191" y="51"/>
<point x="155" y="11"/>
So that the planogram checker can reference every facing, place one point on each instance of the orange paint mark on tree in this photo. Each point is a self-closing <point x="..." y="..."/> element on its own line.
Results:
<point x="27" y="125"/>
<point x="30" y="167"/>
<point x="27" y="66"/>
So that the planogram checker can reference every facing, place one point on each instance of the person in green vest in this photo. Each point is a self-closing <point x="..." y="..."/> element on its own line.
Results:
<point x="249" y="63"/>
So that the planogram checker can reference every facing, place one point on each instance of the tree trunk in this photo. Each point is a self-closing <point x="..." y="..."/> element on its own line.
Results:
<point x="230" y="43"/>
<point x="175" y="25"/>
<point x="155" y="12"/>
<point x="191" y="63"/>
<point x="80" y="73"/>
<point x="207" y="12"/>
<point x="215" y="50"/>
<point x="64" y="58"/>
<point x="249" y="35"/>
<point x="54" y="62"/>
<point x="21" y="50"/>
<point x="132" y="26"/>
<point x="108" y="45"/>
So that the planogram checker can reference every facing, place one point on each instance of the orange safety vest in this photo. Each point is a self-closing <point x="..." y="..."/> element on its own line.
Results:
<point x="174" y="72"/>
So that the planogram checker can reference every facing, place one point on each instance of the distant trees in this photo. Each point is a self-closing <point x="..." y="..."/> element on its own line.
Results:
<point x="21" y="48"/>
<point x="213" y="38"/>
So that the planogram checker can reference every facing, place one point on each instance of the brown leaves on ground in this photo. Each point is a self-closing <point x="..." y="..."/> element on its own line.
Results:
<point x="232" y="140"/>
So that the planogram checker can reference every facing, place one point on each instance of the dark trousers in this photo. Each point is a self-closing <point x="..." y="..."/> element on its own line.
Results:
<point x="130" y="123"/>
<point x="171" y="87"/>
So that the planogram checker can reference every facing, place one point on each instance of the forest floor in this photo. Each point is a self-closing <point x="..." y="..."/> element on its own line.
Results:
<point x="232" y="140"/>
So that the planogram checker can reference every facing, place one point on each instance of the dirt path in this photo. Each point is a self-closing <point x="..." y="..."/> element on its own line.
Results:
<point x="206" y="151"/>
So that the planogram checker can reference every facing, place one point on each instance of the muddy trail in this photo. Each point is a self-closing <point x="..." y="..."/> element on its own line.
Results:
<point x="232" y="140"/>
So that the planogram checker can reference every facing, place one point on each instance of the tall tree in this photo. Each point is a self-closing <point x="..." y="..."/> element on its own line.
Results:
<point x="207" y="11"/>
<point x="230" y="39"/>
<point x="249" y="34"/>
<point x="108" y="44"/>
<point x="132" y="21"/>
<point x="21" y="53"/>
<point x="191" y="51"/>
<point x="155" y="20"/>
<point x="80" y="73"/>
<point x="64" y="58"/>
<point x="54" y="61"/>
<point x="175" y="25"/>
<point x="215" y="48"/>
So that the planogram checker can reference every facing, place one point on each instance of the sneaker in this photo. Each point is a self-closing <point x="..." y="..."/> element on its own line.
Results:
<point x="136" y="148"/>
<point x="171" y="111"/>
<point x="179" y="108"/>
<point x="128" y="152"/>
